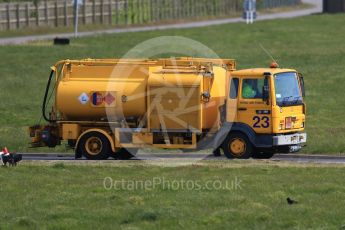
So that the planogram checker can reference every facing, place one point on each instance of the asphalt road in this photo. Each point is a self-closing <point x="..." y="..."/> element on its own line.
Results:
<point x="296" y="158"/>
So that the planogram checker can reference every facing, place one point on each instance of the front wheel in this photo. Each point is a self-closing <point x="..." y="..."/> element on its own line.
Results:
<point x="94" y="146"/>
<point x="237" y="145"/>
<point x="263" y="154"/>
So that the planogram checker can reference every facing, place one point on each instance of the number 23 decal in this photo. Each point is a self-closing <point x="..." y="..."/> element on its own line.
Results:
<point x="261" y="122"/>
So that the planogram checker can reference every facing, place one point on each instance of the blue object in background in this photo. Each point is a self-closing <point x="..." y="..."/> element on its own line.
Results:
<point x="249" y="7"/>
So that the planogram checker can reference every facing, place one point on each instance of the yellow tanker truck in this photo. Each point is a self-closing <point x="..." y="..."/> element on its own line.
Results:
<point x="112" y="107"/>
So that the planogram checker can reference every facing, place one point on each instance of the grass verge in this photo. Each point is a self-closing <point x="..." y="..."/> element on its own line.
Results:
<point x="42" y="30"/>
<point x="64" y="196"/>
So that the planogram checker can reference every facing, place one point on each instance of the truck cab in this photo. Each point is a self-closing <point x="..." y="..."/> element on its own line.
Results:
<point x="266" y="112"/>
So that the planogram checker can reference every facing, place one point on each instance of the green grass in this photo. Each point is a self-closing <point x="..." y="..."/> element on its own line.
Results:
<point x="314" y="45"/>
<point x="64" y="196"/>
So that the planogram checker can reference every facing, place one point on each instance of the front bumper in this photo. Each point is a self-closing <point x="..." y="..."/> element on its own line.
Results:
<point x="290" y="139"/>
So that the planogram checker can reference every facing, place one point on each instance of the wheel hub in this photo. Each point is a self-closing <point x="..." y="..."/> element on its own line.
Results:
<point x="237" y="147"/>
<point x="93" y="145"/>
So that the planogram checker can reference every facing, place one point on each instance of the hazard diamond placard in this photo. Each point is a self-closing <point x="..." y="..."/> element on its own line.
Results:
<point x="103" y="99"/>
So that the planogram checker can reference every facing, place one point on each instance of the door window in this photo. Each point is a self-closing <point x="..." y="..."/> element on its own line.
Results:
<point x="252" y="88"/>
<point x="234" y="88"/>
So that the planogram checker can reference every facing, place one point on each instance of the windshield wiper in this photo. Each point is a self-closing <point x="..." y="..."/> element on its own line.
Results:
<point x="286" y="100"/>
<point x="297" y="100"/>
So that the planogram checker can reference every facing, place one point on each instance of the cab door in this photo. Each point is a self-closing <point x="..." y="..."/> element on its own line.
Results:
<point x="252" y="109"/>
<point x="231" y="104"/>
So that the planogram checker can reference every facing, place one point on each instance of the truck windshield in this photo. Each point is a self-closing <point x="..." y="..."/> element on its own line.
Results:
<point x="287" y="89"/>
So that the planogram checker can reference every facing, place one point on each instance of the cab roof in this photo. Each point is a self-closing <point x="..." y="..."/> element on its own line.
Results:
<point x="260" y="71"/>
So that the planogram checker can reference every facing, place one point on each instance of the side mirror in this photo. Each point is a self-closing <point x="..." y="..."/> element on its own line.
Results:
<point x="301" y="82"/>
<point x="266" y="89"/>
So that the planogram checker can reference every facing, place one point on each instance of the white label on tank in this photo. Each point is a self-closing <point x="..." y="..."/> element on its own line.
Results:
<point x="83" y="98"/>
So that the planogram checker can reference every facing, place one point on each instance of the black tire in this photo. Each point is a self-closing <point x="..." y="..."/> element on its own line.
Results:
<point x="124" y="154"/>
<point x="100" y="152"/>
<point x="243" y="150"/>
<point x="263" y="155"/>
<point x="217" y="152"/>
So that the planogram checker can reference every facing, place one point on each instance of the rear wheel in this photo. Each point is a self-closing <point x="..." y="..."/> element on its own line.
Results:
<point x="94" y="146"/>
<point x="237" y="145"/>
<point x="217" y="152"/>
<point x="124" y="154"/>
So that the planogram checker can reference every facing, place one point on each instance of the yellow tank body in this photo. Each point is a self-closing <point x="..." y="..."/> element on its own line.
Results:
<point x="172" y="94"/>
<point x="86" y="80"/>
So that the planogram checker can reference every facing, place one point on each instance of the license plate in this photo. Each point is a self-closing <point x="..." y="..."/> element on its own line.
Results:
<point x="294" y="138"/>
